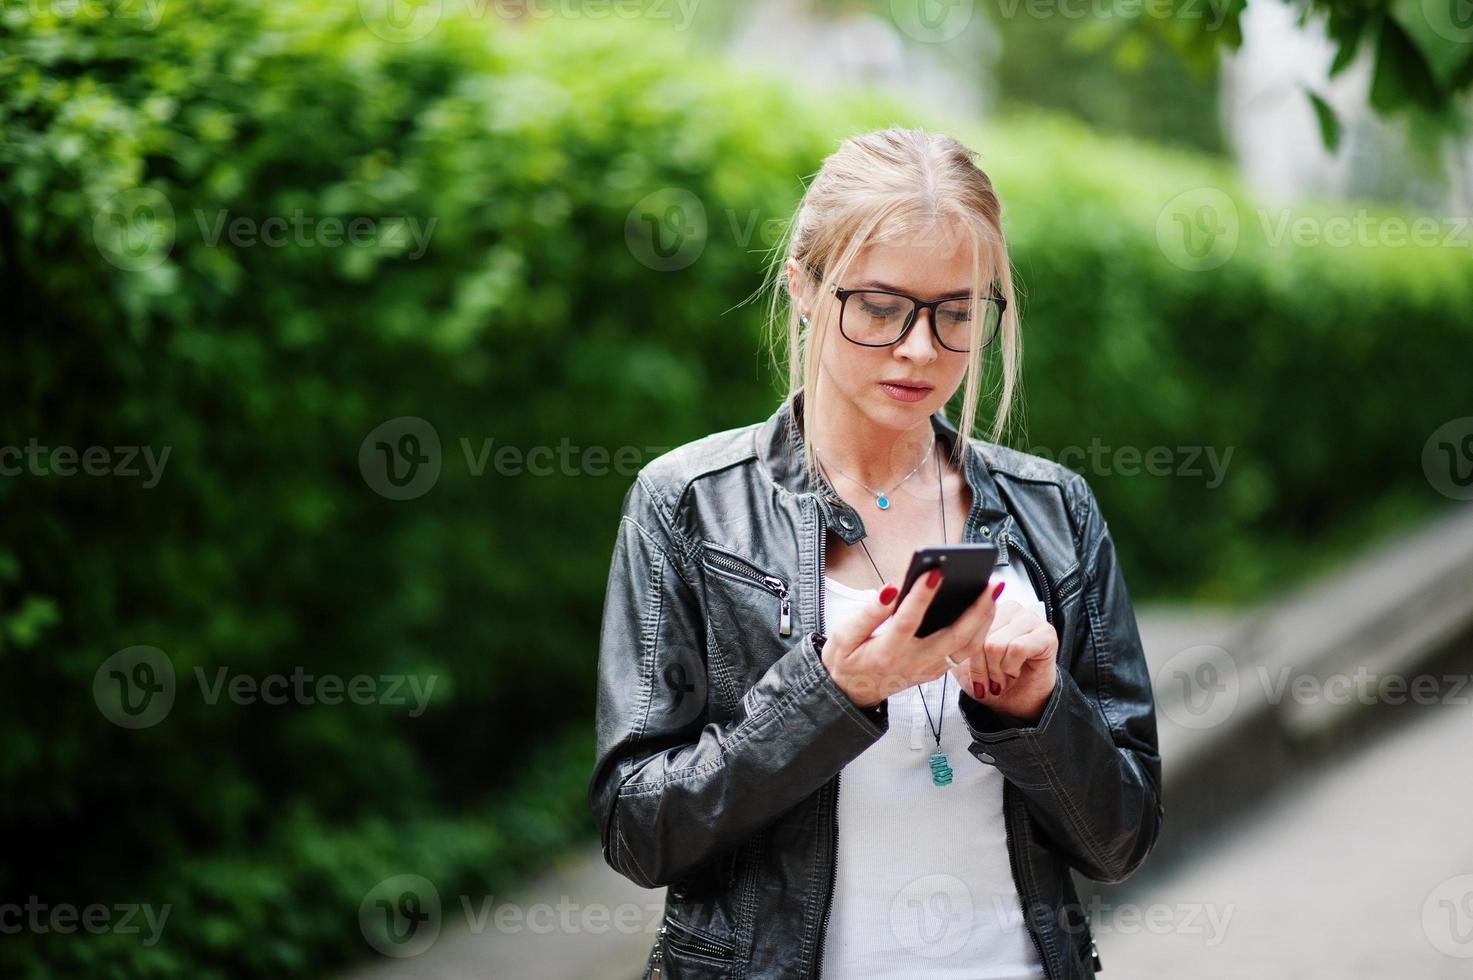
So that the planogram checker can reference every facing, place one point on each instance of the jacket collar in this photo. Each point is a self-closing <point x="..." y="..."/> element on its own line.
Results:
<point x="780" y="444"/>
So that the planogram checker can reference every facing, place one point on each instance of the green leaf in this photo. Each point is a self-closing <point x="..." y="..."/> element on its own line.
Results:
<point x="1402" y="75"/>
<point x="1329" y="122"/>
<point x="1346" y="27"/>
<point x="1462" y="75"/>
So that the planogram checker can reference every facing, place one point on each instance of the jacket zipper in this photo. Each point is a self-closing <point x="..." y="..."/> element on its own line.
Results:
<point x="1007" y="823"/>
<point x="1040" y="583"/>
<point x="771" y="583"/>
<point x="823" y="927"/>
<point x="828" y="908"/>
<point x="657" y="955"/>
<point x="689" y="940"/>
<point x="1038" y="578"/>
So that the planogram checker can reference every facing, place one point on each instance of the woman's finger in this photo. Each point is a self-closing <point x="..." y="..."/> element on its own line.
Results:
<point x="994" y="645"/>
<point x="1023" y="646"/>
<point x="857" y="628"/>
<point x="913" y="607"/>
<point x="1002" y="634"/>
<point x="962" y="673"/>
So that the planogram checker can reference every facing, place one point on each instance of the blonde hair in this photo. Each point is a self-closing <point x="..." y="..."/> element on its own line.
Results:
<point x="878" y="187"/>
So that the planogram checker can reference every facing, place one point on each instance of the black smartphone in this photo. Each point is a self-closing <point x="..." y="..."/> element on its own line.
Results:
<point x="965" y="569"/>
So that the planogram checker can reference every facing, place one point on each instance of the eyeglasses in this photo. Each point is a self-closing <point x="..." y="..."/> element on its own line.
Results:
<point x="881" y="317"/>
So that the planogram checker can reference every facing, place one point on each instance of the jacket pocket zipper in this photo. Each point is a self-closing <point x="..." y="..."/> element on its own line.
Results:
<point x="747" y="572"/>
<point x="683" y="937"/>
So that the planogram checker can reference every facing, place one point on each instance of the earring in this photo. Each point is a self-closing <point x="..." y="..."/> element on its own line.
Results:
<point x="803" y="319"/>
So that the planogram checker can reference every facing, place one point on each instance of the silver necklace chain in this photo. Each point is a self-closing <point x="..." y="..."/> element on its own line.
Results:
<point x="882" y="497"/>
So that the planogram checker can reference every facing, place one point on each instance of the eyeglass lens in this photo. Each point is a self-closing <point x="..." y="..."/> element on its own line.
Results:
<point x="878" y="318"/>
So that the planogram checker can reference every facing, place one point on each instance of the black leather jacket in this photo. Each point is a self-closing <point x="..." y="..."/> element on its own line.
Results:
<point x="720" y="734"/>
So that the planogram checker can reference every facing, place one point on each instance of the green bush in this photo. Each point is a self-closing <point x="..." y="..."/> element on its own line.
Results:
<point x="263" y="548"/>
<point x="1316" y="360"/>
<point x="537" y="312"/>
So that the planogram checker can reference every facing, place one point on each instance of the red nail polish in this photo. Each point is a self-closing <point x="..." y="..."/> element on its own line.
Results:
<point x="996" y="688"/>
<point x="977" y="691"/>
<point x="932" y="577"/>
<point x="888" y="594"/>
<point x="998" y="591"/>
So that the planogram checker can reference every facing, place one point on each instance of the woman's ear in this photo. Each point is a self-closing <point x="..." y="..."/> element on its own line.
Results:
<point x="797" y="282"/>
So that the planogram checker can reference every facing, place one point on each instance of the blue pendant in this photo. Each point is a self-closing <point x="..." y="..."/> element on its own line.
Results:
<point x="883" y="501"/>
<point x="940" y="771"/>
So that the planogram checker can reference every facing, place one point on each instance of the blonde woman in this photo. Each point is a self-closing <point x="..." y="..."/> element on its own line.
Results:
<point x="824" y="793"/>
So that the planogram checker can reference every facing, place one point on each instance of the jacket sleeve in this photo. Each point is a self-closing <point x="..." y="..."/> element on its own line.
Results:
<point x="1089" y="768"/>
<point x="671" y="787"/>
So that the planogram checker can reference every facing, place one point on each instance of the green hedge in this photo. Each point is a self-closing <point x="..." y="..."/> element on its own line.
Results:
<point x="263" y="548"/>
<point x="1317" y="359"/>
<point x="537" y="313"/>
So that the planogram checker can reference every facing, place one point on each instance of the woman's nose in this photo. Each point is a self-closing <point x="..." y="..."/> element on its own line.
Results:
<point x="919" y="344"/>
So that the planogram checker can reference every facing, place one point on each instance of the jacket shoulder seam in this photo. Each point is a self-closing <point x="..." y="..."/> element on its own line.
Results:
<point x="669" y="514"/>
<point x="679" y="560"/>
<point x="666" y="517"/>
<point x="1073" y="487"/>
<point x="1085" y="519"/>
<point x="1027" y="467"/>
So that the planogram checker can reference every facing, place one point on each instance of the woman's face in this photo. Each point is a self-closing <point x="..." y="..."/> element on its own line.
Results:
<point x="927" y="267"/>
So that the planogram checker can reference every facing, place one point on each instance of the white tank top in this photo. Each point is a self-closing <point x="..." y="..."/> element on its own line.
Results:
<point x="922" y="886"/>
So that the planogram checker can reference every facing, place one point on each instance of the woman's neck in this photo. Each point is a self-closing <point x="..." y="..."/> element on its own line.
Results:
<point x="849" y="441"/>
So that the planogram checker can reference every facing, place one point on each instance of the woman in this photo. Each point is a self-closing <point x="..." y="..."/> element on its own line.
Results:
<point x="753" y="657"/>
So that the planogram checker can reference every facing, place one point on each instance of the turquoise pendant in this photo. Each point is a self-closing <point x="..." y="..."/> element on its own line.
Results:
<point x="883" y="501"/>
<point x="940" y="771"/>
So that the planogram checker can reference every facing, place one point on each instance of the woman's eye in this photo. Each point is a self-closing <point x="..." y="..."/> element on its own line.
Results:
<point x="880" y="311"/>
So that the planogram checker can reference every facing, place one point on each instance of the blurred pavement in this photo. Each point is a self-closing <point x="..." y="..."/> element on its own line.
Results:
<point x="1333" y="878"/>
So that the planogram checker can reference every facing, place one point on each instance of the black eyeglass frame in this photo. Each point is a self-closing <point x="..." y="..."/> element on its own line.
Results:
<point x="917" y="305"/>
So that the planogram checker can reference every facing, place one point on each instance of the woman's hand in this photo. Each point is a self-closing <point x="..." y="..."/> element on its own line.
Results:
<point x="1015" y="669"/>
<point x="870" y="668"/>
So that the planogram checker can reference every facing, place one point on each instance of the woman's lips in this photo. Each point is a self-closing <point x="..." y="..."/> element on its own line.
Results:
<point x="904" y="393"/>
